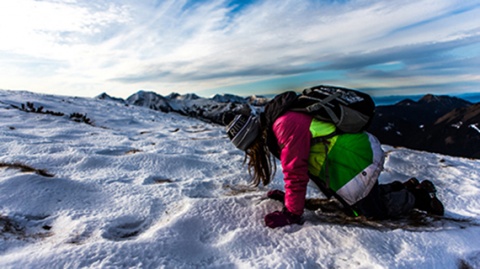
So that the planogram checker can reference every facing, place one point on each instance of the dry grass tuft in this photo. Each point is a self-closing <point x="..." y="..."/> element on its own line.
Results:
<point x="25" y="168"/>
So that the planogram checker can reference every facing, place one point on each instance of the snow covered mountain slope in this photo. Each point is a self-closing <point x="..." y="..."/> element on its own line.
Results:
<point x="214" y="109"/>
<point x="138" y="188"/>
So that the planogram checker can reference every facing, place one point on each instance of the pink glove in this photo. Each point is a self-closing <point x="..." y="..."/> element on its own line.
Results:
<point x="282" y="218"/>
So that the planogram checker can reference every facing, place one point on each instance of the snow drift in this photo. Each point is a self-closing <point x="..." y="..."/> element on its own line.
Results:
<point x="137" y="188"/>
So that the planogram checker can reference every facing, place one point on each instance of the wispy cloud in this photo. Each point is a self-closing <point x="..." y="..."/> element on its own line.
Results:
<point x="218" y="45"/>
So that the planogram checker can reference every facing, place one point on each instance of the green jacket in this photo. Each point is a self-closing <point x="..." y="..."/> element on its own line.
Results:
<point x="353" y="161"/>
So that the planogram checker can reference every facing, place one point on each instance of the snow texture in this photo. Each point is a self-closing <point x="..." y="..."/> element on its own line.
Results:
<point x="139" y="188"/>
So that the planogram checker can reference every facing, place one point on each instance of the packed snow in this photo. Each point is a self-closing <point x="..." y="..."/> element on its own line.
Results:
<point x="138" y="188"/>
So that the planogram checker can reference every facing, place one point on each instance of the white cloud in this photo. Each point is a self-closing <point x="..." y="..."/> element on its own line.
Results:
<point x="43" y="28"/>
<point x="167" y="46"/>
<point x="272" y="34"/>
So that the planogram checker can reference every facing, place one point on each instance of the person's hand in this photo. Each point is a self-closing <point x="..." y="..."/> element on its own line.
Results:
<point x="282" y="218"/>
<point x="277" y="195"/>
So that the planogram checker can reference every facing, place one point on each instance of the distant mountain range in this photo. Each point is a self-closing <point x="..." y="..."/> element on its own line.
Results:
<point x="393" y="99"/>
<point x="440" y="124"/>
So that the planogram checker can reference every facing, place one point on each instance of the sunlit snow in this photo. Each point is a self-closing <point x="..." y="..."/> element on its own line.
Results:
<point x="143" y="189"/>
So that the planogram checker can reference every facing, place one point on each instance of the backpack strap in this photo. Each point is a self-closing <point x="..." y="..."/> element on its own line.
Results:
<point x="348" y="209"/>
<point x="322" y="103"/>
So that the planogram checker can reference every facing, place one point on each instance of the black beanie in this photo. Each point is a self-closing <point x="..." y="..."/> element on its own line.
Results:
<point x="243" y="130"/>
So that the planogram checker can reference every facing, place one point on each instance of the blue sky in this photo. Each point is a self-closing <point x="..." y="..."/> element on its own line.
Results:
<point x="86" y="47"/>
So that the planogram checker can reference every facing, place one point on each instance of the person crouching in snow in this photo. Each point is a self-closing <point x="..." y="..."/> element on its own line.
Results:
<point x="348" y="164"/>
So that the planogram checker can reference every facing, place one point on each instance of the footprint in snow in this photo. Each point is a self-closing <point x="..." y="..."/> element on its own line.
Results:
<point x="124" y="228"/>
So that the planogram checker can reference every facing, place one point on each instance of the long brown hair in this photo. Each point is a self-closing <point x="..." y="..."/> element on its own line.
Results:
<point x="261" y="163"/>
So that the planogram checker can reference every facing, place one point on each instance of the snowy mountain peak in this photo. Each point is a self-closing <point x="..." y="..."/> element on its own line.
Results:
<point x="105" y="96"/>
<point x="177" y="96"/>
<point x="150" y="100"/>
<point x="229" y="98"/>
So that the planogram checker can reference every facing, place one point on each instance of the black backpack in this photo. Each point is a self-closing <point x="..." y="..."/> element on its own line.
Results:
<point x="350" y="110"/>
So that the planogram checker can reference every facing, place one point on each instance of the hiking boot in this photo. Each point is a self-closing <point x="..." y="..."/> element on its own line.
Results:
<point x="411" y="184"/>
<point x="426" y="199"/>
